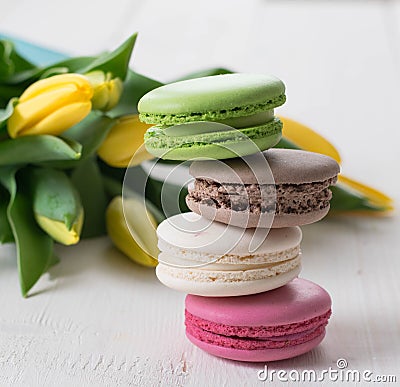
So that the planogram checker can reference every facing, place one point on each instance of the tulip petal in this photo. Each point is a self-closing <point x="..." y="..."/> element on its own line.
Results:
<point x="59" y="231"/>
<point x="32" y="111"/>
<point x="308" y="139"/>
<point x="133" y="230"/>
<point x="115" y="89"/>
<point x="373" y="195"/>
<point x="124" y="141"/>
<point x="62" y="119"/>
<point x="51" y="98"/>
<point x="58" y="81"/>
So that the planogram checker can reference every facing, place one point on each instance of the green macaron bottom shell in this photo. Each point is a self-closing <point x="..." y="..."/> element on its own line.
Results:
<point x="214" y="145"/>
<point x="218" y="115"/>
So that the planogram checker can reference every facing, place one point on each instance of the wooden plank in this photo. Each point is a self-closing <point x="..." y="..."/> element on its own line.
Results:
<point x="98" y="319"/>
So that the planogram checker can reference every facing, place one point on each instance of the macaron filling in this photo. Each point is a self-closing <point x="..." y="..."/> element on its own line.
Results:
<point x="234" y="260"/>
<point x="158" y="138"/>
<point x="258" y="332"/>
<point x="200" y="127"/>
<point x="256" y="337"/>
<point x="258" y="199"/>
<point x="215" y="272"/>
<point x="218" y="115"/>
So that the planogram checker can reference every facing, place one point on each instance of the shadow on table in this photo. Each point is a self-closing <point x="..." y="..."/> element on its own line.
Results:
<point x="97" y="260"/>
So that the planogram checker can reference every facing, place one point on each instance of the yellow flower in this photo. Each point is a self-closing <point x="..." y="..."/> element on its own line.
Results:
<point x="124" y="141"/>
<point x="132" y="229"/>
<point x="59" y="231"/>
<point x="107" y="90"/>
<point x="51" y="106"/>
<point x="309" y="140"/>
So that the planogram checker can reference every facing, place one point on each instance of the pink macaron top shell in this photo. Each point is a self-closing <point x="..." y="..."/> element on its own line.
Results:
<point x="297" y="301"/>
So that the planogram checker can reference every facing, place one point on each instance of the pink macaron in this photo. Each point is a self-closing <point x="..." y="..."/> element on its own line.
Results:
<point x="279" y="324"/>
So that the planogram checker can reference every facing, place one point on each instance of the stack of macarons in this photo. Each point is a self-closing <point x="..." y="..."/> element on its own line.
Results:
<point x="237" y="254"/>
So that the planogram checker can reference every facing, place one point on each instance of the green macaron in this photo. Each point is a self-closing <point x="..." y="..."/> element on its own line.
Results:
<point x="218" y="117"/>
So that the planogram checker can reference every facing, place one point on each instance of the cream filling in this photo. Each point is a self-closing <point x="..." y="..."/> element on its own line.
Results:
<point x="212" y="272"/>
<point x="194" y="258"/>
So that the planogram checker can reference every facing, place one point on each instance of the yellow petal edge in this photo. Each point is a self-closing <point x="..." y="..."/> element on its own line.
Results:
<point x="132" y="229"/>
<point x="309" y="140"/>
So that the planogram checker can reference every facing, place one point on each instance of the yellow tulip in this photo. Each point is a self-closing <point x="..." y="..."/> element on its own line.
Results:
<point x="51" y="106"/>
<point x="309" y="140"/>
<point x="132" y="229"/>
<point x="59" y="231"/>
<point x="107" y="90"/>
<point x="124" y="141"/>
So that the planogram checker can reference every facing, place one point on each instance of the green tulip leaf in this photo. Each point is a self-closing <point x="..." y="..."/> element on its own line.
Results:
<point x="205" y="73"/>
<point x="112" y="187"/>
<point x="10" y="61"/>
<point x="285" y="143"/>
<point x="54" y="71"/>
<point x="6" y="113"/>
<point x="88" y="181"/>
<point x="53" y="261"/>
<point x="8" y="92"/>
<point x="115" y="62"/>
<point x="23" y="79"/>
<point x="34" y="149"/>
<point x="169" y="202"/>
<point x="6" y="234"/>
<point x="344" y="199"/>
<point x="135" y="87"/>
<point x="90" y="133"/>
<point x="34" y="247"/>
<point x="113" y="172"/>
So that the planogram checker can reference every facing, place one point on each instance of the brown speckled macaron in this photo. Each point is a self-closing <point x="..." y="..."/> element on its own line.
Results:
<point x="242" y="192"/>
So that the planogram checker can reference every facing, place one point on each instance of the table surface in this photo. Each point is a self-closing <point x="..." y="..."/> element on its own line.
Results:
<point x="97" y="318"/>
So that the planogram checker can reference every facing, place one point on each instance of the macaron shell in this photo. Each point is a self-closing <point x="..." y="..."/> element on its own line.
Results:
<point x="212" y="98"/>
<point x="290" y="220"/>
<point x="193" y="232"/>
<point x="246" y="219"/>
<point x="250" y="141"/>
<point x="288" y="166"/>
<point x="225" y="289"/>
<point x="262" y="355"/>
<point x="298" y="301"/>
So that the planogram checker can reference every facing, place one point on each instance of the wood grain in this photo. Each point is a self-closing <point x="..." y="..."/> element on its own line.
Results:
<point x="97" y="318"/>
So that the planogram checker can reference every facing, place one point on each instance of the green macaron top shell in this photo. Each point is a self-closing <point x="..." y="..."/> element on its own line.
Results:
<point x="211" y="99"/>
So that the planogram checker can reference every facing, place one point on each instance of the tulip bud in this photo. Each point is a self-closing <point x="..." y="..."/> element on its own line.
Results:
<point x="107" y="90"/>
<point x="124" y="141"/>
<point x="51" y="106"/>
<point x="56" y="205"/>
<point x="139" y="240"/>
<point x="59" y="231"/>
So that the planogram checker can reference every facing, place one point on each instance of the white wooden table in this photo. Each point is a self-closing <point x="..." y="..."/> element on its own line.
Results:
<point x="99" y="319"/>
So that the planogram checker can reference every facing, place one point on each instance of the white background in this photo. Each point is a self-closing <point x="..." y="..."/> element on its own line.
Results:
<point x="99" y="319"/>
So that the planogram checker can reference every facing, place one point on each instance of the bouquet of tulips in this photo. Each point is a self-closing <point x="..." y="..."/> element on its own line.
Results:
<point x="68" y="132"/>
